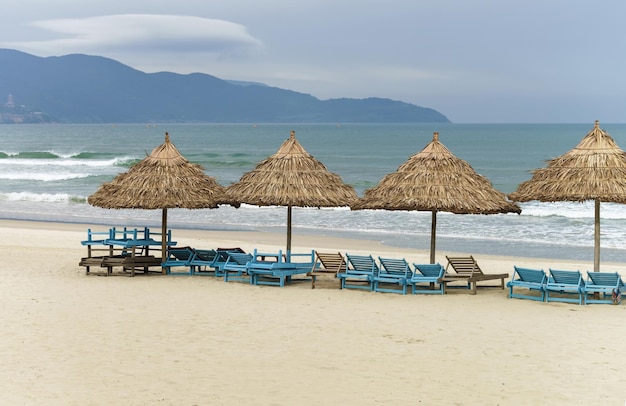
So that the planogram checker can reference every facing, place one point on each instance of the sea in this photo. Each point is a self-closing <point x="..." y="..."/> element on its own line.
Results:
<point x="47" y="171"/>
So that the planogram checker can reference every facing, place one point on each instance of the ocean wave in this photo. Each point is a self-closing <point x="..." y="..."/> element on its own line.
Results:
<point x="44" y="176"/>
<point x="42" y="197"/>
<point x="574" y="210"/>
<point x="69" y="162"/>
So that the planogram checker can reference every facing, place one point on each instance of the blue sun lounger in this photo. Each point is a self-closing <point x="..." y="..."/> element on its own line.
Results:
<point x="359" y="273"/>
<point x="568" y="286"/>
<point x="604" y="285"/>
<point x="430" y="274"/>
<point x="203" y="260"/>
<point x="393" y="276"/>
<point x="236" y="267"/>
<point x="179" y="257"/>
<point x="527" y="278"/>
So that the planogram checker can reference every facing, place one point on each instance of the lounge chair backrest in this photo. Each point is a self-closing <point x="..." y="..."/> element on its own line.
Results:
<point x="331" y="262"/>
<point x="612" y="279"/>
<point x="430" y="270"/>
<point x="395" y="266"/>
<point x="239" y="258"/>
<point x="566" y="277"/>
<point x="206" y="255"/>
<point x="464" y="265"/>
<point x="181" y="253"/>
<point x="530" y="275"/>
<point x="364" y="263"/>
<point x="235" y="249"/>
<point x="267" y="256"/>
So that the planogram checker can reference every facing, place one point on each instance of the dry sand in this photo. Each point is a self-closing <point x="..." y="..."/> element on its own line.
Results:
<point x="72" y="339"/>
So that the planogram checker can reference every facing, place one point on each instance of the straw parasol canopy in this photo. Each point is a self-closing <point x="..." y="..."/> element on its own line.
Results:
<point x="291" y="177"/>
<point x="594" y="170"/>
<point x="164" y="179"/>
<point x="435" y="180"/>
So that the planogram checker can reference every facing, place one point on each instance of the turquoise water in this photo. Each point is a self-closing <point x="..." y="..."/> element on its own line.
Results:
<point x="48" y="171"/>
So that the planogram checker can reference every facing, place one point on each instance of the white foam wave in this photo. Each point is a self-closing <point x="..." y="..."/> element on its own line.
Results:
<point x="37" y="197"/>
<point x="28" y="162"/>
<point x="573" y="210"/>
<point x="45" y="177"/>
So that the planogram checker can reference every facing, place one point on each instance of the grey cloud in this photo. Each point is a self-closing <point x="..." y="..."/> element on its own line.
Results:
<point x="145" y="33"/>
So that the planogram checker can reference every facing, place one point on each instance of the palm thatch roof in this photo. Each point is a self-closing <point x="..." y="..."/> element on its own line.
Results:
<point x="164" y="179"/>
<point x="435" y="179"/>
<point x="291" y="177"/>
<point x="594" y="169"/>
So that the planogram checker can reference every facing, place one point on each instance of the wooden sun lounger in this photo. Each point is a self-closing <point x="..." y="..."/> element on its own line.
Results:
<point x="326" y="264"/>
<point x="466" y="270"/>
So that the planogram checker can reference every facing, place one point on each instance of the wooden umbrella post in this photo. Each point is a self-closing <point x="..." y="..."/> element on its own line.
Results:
<point x="433" y="236"/>
<point x="288" y="233"/>
<point x="163" y="239"/>
<point x="596" y="245"/>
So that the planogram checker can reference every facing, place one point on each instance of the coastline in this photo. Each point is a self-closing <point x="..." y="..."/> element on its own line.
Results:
<point x="74" y="339"/>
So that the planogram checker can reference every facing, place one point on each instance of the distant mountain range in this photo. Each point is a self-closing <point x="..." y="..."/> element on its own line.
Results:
<point x="93" y="89"/>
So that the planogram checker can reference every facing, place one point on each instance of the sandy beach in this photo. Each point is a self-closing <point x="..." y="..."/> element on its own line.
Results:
<point x="75" y="339"/>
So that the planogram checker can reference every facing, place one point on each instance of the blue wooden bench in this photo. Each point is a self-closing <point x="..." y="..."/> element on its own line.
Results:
<point x="430" y="274"/>
<point x="527" y="278"/>
<point x="393" y="276"/>
<point x="601" y="286"/>
<point x="359" y="273"/>
<point x="568" y="286"/>
<point x="281" y="270"/>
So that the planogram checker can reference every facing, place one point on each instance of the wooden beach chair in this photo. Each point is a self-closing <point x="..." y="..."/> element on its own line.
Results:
<point x="326" y="264"/>
<point x="466" y="269"/>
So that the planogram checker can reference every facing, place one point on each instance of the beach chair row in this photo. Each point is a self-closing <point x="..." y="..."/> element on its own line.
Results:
<point x="567" y="286"/>
<point x="389" y="275"/>
<point x="234" y="264"/>
<point x="394" y="275"/>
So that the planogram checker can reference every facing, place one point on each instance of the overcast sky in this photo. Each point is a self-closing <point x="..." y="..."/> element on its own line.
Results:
<point x="481" y="61"/>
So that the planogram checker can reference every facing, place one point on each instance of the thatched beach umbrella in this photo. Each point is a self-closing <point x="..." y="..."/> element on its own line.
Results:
<point x="435" y="180"/>
<point x="291" y="177"/>
<point x="594" y="170"/>
<point x="164" y="179"/>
